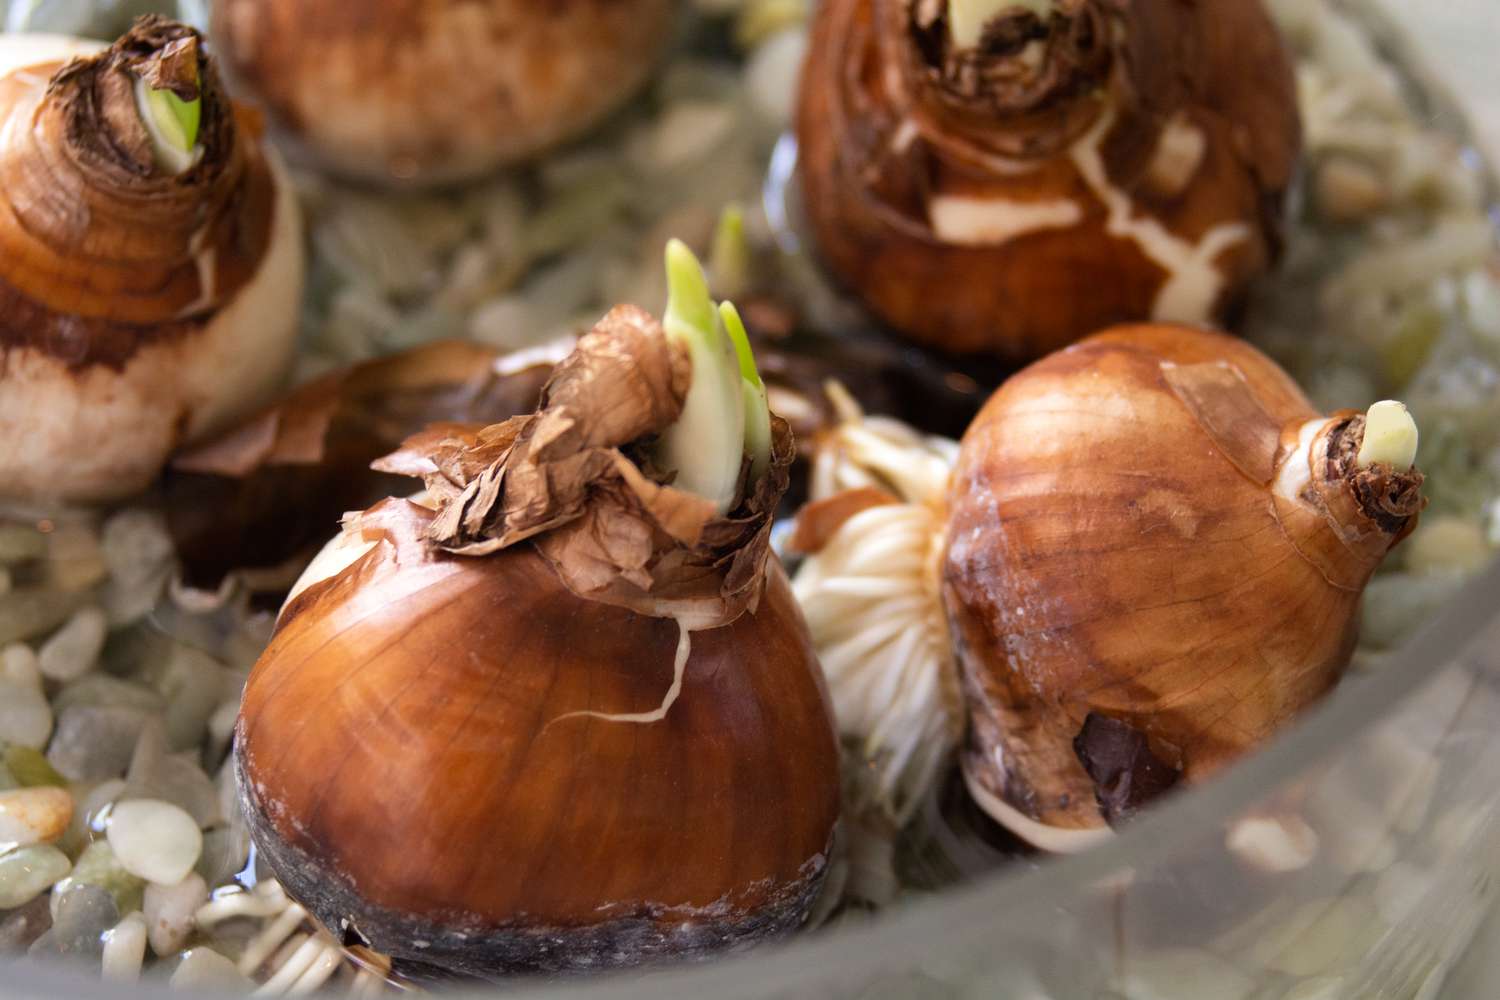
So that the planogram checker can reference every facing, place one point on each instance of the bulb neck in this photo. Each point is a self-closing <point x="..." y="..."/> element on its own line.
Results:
<point x="96" y="225"/>
<point x="1029" y="88"/>
<point x="1387" y="497"/>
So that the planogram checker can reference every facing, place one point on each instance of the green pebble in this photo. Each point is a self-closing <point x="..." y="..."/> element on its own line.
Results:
<point x="98" y="866"/>
<point x="30" y="768"/>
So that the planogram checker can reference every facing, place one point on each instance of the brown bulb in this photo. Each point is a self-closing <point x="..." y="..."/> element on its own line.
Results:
<point x="435" y="91"/>
<point x="1077" y="164"/>
<point x="1156" y="551"/>
<point x="149" y="293"/>
<point x="569" y="719"/>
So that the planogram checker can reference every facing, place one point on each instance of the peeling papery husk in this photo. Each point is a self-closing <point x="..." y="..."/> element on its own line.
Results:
<point x="1118" y="162"/>
<point x="263" y="492"/>
<point x="572" y="479"/>
<point x="102" y="250"/>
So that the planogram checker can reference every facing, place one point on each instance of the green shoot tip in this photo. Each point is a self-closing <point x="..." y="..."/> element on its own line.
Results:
<point x="740" y="338"/>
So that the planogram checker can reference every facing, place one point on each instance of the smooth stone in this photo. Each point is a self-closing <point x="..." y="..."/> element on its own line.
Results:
<point x="31" y="769"/>
<point x="73" y="649"/>
<point x="18" y="664"/>
<point x="97" y="866"/>
<point x="95" y="742"/>
<point x="79" y="922"/>
<point x="34" y="816"/>
<point x="124" y="950"/>
<point x="25" y="716"/>
<point x="27" y="872"/>
<point x="20" y="928"/>
<point x="27" y="612"/>
<point x="155" y="840"/>
<point x="156" y="773"/>
<point x="169" y="913"/>
<point x="20" y="543"/>
<point x="204" y="970"/>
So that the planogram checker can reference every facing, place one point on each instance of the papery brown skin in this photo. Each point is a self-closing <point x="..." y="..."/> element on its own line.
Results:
<point x="436" y="91"/>
<point x="266" y="491"/>
<point x="139" y="309"/>
<point x="1117" y="554"/>
<point x="883" y="134"/>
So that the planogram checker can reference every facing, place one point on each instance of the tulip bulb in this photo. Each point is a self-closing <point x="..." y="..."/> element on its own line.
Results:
<point x="1005" y="178"/>
<point x="150" y="261"/>
<point x="436" y="91"/>
<point x="564" y="714"/>
<point x="1155" y="557"/>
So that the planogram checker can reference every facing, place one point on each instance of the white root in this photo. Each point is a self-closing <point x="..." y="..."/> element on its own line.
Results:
<point x="872" y="604"/>
<point x="679" y="668"/>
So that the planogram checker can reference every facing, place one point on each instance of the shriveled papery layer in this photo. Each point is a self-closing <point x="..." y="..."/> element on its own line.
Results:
<point x="103" y="251"/>
<point x="1122" y="162"/>
<point x="568" y="479"/>
<point x="496" y="693"/>
<point x="1152" y="532"/>
<point x="429" y="91"/>
<point x="93" y="431"/>
<point x="268" y="488"/>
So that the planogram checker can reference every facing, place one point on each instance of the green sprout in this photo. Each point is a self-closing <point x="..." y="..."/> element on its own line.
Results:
<point x="729" y="260"/>
<point x="177" y="120"/>
<point x="724" y="416"/>
<point x="757" y="409"/>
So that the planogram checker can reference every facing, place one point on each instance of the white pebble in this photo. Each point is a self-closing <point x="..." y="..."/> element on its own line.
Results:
<point x="136" y="545"/>
<point x="18" y="664"/>
<point x="74" y="649"/>
<point x="125" y="950"/>
<point x="204" y="970"/>
<point x="169" y="912"/>
<point x="1275" y="844"/>
<point x="25" y="715"/>
<point x="771" y="76"/>
<point x="30" y="871"/>
<point x="154" y="840"/>
<point x="1447" y="544"/>
<point x="33" y="816"/>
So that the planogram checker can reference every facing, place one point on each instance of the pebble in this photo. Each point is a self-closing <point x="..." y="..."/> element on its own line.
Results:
<point x="155" y="840"/>
<point x="204" y="970"/>
<point x="28" y="872"/>
<point x="97" y="866"/>
<point x="18" y="664"/>
<point x="27" y="612"/>
<point x="1182" y="974"/>
<point x="30" y="768"/>
<point x="74" y="560"/>
<point x="169" y="913"/>
<point x="193" y="684"/>
<point x="95" y="742"/>
<point x="80" y="918"/>
<point x="25" y="716"/>
<point x="135" y="545"/>
<point x="34" y="816"/>
<point x="74" y="649"/>
<point x="125" y="950"/>
<point x="20" y="543"/>
<point x="20" y="928"/>
<point x="176" y="778"/>
<point x="772" y="75"/>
